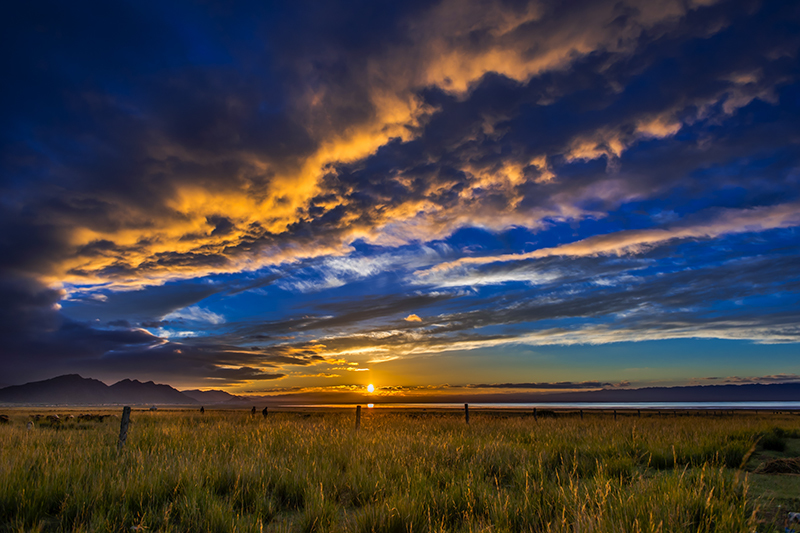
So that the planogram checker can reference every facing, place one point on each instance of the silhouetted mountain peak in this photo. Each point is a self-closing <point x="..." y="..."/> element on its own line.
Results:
<point x="134" y="391"/>
<point x="77" y="390"/>
<point x="211" y="396"/>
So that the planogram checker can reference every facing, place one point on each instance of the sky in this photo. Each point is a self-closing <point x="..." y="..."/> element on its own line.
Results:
<point x="493" y="196"/>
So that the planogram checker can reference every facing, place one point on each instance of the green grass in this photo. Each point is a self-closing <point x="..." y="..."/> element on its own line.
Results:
<point x="780" y="493"/>
<point x="226" y="471"/>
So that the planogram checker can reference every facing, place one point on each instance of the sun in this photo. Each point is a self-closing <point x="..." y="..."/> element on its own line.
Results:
<point x="370" y="388"/>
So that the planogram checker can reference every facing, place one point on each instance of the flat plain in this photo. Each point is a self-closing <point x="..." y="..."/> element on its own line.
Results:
<point x="404" y="470"/>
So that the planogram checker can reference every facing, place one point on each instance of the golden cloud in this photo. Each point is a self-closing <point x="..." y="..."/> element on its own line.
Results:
<point x="266" y="197"/>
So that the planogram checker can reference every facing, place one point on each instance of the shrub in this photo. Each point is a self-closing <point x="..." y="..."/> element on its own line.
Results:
<point x="774" y="440"/>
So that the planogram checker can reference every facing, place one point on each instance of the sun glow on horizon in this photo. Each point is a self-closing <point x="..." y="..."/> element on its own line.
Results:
<point x="370" y="388"/>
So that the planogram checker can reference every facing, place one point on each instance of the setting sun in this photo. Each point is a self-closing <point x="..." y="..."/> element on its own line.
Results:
<point x="370" y="388"/>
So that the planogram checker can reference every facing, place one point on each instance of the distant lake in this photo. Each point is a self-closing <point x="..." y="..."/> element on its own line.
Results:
<point x="766" y="406"/>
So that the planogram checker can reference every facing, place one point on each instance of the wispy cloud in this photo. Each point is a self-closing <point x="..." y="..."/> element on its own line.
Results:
<point x="631" y="242"/>
<point x="196" y="314"/>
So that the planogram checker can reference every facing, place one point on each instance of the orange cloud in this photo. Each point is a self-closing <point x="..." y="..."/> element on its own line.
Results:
<point x="265" y="197"/>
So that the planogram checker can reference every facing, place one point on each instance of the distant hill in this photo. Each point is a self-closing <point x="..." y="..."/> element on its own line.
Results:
<point x="210" y="397"/>
<point x="73" y="389"/>
<point x="750" y="392"/>
<point x="135" y="392"/>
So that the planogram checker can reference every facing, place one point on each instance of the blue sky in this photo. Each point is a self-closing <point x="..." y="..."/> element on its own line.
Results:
<point x="294" y="197"/>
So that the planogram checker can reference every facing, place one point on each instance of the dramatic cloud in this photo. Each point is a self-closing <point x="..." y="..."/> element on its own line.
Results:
<point x="300" y="194"/>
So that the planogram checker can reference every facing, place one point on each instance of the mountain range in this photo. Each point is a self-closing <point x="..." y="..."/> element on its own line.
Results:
<point x="73" y="389"/>
<point x="211" y="397"/>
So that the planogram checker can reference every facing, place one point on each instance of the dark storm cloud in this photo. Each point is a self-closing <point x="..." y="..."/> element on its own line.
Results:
<point x="27" y="304"/>
<point x="143" y="305"/>
<point x="115" y="354"/>
<point x="37" y="340"/>
<point x="198" y="106"/>
<point x="179" y="362"/>
<point x="240" y="375"/>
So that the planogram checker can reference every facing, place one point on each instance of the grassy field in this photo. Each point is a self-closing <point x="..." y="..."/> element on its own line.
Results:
<point x="403" y="471"/>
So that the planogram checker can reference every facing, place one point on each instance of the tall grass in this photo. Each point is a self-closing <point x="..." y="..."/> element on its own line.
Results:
<point x="223" y="471"/>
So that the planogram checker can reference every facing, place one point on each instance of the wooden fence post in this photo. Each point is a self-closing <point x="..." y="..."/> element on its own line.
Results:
<point x="358" y="417"/>
<point x="466" y="413"/>
<point x="123" y="427"/>
<point x="639" y="413"/>
<point x="581" y="414"/>
<point x="615" y="414"/>
<point x="534" y="414"/>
